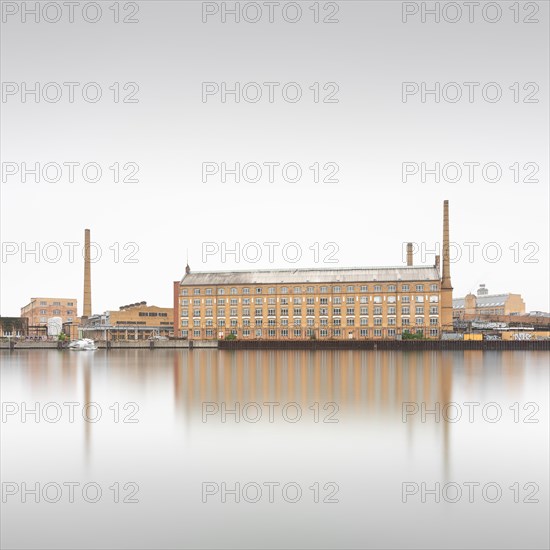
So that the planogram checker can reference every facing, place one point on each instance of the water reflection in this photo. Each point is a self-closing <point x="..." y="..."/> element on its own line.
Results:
<point x="367" y="386"/>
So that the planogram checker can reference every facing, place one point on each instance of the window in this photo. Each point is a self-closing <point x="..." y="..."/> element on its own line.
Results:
<point x="337" y="332"/>
<point x="350" y="322"/>
<point x="350" y="311"/>
<point x="350" y="300"/>
<point x="246" y="301"/>
<point x="271" y="332"/>
<point x="297" y="290"/>
<point x="271" y="322"/>
<point x="197" y="302"/>
<point x="405" y="288"/>
<point x="323" y="301"/>
<point x="284" y="322"/>
<point x="337" y="300"/>
<point x="323" y="289"/>
<point x="258" y="332"/>
<point x="377" y="299"/>
<point x="297" y="332"/>
<point x="310" y="301"/>
<point x="284" y="333"/>
<point x="336" y="322"/>
<point x="391" y="299"/>
<point x="233" y="301"/>
<point x="364" y="321"/>
<point x="246" y="312"/>
<point x="323" y="311"/>
<point x="433" y="321"/>
<point x="364" y="332"/>
<point x="56" y="303"/>
<point x="377" y="288"/>
<point x="405" y="310"/>
<point x="246" y="291"/>
<point x="246" y="332"/>
<point x="337" y="311"/>
<point x="221" y="312"/>
<point x="221" y="291"/>
<point x="271" y="290"/>
<point x="391" y="321"/>
<point x="221" y="322"/>
<point x="43" y="303"/>
<point x="433" y="288"/>
<point x="419" y="299"/>
<point x="405" y="321"/>
<point x="378" y="332"/>
<point x="323" y="333"/>
<point x="297" y="311"/>
<point x="323" y="322"/>
<point x="310" y="290"/>
<point x="284" y="290"/>
<point x="297" y="322"/>
<point x="233" y="312"/>
<point x="271" y="312"/>
<point x="350" y="288"/>
<point x="419" y="310"/>
<point x="196" y="333"/>
<point x="70" y="304"/>
<point x="434" y="299"/>
<point x="258" y="290"/>
<point x="209" y="333"/>
<point x="310" y="322"/>
<point x="42" y="312"/>
<point x="233" y="322"/>
<point x="391" y="288"/>
<point x="184" y="292"/>
<point x="69" y="319"/>
<point x="419" y="288"/>
<point x="56" y="311"/>
<point x="196" y="291"/>
<point x="419" y="321"/>
<point x="209" y="312"/>
<point x="378" y="321"/>
<point x="337" y="289"/>
<point x="284" y="301"/>
<point x="258" y="312"/>
<point x="434" y="310"/>
<point x="184" y="302"/>
<point x="364" y="288"/>
<point x="391" y="332"/>
<point x="364" y="311"/>
<point x="208" y="292"/>
<point x="284" y="311"/>
<point x="258" y="301"/>
<point x="233" y="291"/>
<point x="405" y="299"/>
<point x="271" y="301"/>
<point x="391" y="310"/>
<point x="209" y="323"/>
<point x="310" y="311"/>
<point x="297" y="301"/>
<point x="434" y="332"/>
<point x="184" y="323"/>
<point x="246" y="323"/>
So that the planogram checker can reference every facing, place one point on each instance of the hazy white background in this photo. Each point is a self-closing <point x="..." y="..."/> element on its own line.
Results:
<point x="369" y="133"/>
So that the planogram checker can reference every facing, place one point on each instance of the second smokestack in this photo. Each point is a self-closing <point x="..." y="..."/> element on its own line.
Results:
<point x="409" y="254"/>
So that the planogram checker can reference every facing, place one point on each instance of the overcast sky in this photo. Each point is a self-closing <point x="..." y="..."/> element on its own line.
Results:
<point x="360" y="132"/>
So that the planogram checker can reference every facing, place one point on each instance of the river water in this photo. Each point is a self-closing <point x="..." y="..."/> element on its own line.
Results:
<point x="282" y="449"/>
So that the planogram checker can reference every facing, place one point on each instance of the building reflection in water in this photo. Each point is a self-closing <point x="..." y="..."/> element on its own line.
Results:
<point x="367" y="386"/>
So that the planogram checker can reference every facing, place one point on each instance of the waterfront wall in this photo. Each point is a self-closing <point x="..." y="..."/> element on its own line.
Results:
<point x="398" y="345"/>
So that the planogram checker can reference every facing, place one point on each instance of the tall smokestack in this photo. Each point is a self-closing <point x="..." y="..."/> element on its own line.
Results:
<point x="446" y="287"/>
<point x="87" y="310"/>
<point x="437" y="261"/>
<point x="409" y="254"/>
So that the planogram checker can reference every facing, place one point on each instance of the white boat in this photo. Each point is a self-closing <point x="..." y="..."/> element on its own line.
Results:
<point x="84" y="344"/>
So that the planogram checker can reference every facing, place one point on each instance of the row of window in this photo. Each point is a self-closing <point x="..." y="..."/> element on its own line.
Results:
<point x="56" y="312"/>
<point x="310" y="312"/>
<point x="298" y="333"/>
<point x="308" y="301"/>
<point x="377" y="321"/>
<point x="309" y="290"/>
<point x="152" y="314"/>
<point x="69" y="304"/>
<point x="45" y="320"/>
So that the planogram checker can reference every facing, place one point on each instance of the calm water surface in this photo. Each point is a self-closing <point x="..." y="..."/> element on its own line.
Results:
<point x="325" y="449"/>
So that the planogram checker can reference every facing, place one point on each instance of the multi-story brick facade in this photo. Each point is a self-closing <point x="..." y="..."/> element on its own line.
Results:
<point x="353" y="303"/>
<point x="39" y="310"/>
<point x="488" y="304"/>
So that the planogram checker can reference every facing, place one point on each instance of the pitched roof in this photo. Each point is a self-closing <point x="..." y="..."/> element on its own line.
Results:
<point x="292" y="276"/>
